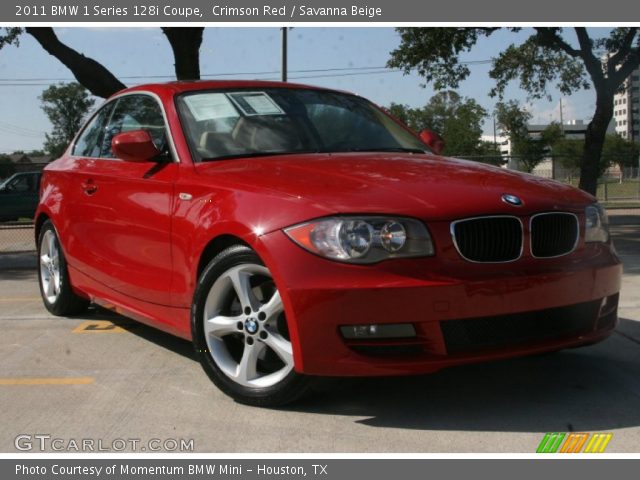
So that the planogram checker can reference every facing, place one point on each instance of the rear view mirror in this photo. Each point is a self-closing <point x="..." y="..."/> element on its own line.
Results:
<point x="134" y="146"/>
<point x="432" y="140"/>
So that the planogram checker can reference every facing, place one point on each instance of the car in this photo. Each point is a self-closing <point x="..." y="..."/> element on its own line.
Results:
<point x="293" y="232"/>
<point x="19" y="196"/>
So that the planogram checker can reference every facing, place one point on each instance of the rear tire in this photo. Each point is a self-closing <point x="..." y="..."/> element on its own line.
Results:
<point x="240" y="333"/>
<point x="53" y="276"/>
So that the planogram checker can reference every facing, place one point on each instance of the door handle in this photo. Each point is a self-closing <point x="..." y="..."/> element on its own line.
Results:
<point x="89" y="187"/>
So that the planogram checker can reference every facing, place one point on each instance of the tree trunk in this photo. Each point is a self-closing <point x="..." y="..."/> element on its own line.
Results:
<point x="594" y="140"/>
<point x="89" y="73"/>
<point x="185" y="43"/>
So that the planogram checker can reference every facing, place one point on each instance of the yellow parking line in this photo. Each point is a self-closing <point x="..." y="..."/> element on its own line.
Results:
<point x="19" y="299"/>
<point x="98" y="326"/>
<point x="47" y="381"/>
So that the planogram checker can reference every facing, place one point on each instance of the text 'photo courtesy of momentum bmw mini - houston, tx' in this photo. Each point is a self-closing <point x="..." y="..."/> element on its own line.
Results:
<point x="294" y="232"/>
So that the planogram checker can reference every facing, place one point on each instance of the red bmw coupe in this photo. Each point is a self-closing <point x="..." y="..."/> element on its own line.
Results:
<point x="292" y="232"/>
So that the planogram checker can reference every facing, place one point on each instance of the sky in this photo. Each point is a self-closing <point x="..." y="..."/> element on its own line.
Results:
<point x="27" y="70"/>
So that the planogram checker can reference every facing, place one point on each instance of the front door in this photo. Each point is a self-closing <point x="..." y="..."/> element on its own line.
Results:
<point x="122" y="215"/>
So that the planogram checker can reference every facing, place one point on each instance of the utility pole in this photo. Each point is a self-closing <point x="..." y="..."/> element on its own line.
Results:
<point x="495" y="143"/>
<point x="284" y="53"/>
<point x="561" y="118"/>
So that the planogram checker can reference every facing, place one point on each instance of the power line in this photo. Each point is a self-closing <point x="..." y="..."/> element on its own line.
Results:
<point x="21" y="134"/>
<point x="18" y="127"/>
<point x="227" y="74"/>
<point x="349" y="74"/>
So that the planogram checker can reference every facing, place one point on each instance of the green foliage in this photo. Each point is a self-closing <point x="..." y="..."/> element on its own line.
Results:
<point x="545" y="57"/>
<point x="568" y="152"/>
<point x="512" y="119"/>
<point x="536" y="65"/>
<point x="457" y="119"/>
<point x="552" y="134"/>
<point x="530" y="151"/>
<point x="620" y="152"/>
<point x="434" y="53"/>
<point x="616" y="151"/>
<point x="7" y="168"/>
<point x="11" y="36"/>
<point x="36" y="153"/>
<point x="66" y="106"/>
<point x="489" y="152"/>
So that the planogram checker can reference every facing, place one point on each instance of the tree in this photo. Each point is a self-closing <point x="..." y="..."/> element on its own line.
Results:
<point x="7" y="167"/>
<point x="529" y="150"/>
<point x="457" y="119"/>
<point x="489" y="152"/>
<point x="545" y="56"/>
<point x="185" y="43"/>
<point x="620" y="151"/>
<point x="66" y="105"/>
<point x="568" y="152"/>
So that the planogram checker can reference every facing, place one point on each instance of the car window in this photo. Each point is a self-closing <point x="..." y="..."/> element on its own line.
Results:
<point x="19" y="184"/>
<point x="135" y="112"/>
<point x="89" y="141"/>
<point x="26" y="183"/>
<point x="271" y="121"/>
<point x="346" y="124"/>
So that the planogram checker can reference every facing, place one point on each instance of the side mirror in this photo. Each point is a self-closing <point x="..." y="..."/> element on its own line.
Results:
<point x="134" y="146"/>
<point x="432" y="140"/>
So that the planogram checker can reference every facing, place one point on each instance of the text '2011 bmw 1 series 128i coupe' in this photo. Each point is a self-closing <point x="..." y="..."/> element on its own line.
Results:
<point x="292" y="232"/>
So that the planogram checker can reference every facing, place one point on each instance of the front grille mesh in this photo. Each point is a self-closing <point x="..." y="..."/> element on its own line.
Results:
<point x="484" y="333"/>
<point x="489" y="239"/>
<point x="553" y="234"/>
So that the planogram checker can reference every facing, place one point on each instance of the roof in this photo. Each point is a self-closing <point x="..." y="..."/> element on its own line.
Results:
<point x="177" y="87"/>
<point x="26" y="158"/>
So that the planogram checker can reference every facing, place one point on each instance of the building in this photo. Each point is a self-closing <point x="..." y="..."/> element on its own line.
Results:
<point x="626" y="106"/>
<point x="573" y="130"/>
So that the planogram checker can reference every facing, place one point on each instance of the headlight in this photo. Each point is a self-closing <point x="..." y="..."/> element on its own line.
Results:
<point x="363" y="239"/>
<point x="597" y="224"/>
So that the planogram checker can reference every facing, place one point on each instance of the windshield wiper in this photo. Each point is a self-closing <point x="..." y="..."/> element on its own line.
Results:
<point x="256" y="154"/>
<point x="385" y="149"/>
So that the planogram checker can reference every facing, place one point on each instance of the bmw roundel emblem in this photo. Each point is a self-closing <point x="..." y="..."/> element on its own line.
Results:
<point x="511" y="200"/>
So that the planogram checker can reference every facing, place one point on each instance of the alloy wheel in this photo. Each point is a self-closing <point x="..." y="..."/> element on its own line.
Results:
<point x="245" y="329"/>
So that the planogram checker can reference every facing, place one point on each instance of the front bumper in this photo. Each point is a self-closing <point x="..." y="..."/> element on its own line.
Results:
<point x="462" y="312"/>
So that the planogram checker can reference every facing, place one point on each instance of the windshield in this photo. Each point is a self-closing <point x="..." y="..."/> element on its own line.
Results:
<point x="271" y="121"/>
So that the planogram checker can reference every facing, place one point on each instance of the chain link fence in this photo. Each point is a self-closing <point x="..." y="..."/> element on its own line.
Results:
<point x="17" y="237"/>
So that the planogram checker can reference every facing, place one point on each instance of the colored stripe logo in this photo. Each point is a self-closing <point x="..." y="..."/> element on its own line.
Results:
<point x="574" y="443"/>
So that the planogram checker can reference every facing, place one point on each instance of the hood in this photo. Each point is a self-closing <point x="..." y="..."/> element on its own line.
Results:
<point x="417" y="185"/>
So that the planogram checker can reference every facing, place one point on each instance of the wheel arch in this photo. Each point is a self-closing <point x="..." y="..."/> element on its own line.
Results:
<point x="214" y="247"/>
<point x="40" y="219"/>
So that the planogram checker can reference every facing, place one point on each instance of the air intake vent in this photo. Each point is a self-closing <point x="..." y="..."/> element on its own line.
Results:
<point x="488" y="239"/>
<point x="474" y="334"/>
<point x="553" y="234"/>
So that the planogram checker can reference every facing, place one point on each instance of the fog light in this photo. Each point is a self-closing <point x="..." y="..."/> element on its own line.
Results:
<point x="363" y="332"/>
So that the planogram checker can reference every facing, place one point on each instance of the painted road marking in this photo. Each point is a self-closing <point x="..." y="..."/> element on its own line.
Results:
<point x="20" y="299"/>
<point x="102" y="326"/>
<point x="47" y="381"/>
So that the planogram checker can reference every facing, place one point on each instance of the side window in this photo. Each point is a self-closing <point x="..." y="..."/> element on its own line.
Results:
<point x="88" y="144"/>
<point x="19" y="184"/>
<point x="135" y="112"/>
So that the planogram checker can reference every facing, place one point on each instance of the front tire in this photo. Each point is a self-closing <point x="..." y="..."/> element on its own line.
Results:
<point x="240" y="332"/>
<point x="55" y="288"/>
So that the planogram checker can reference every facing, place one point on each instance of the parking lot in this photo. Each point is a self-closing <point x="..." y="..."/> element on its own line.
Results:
<point x="104" y="378"/>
